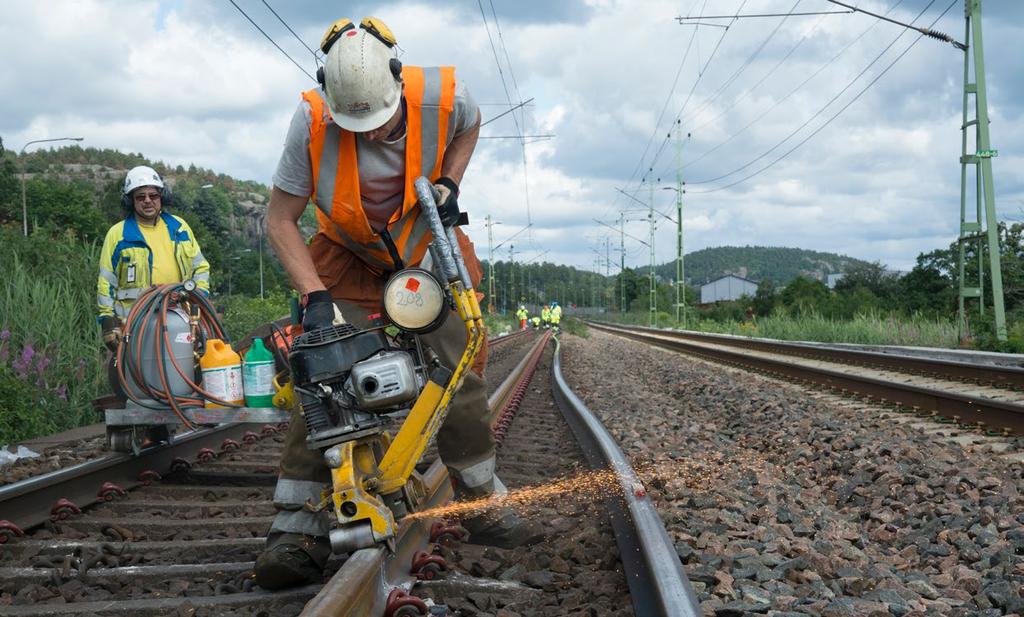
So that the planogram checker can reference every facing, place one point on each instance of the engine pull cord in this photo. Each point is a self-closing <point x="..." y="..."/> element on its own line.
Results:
<point x="150" y="313"/>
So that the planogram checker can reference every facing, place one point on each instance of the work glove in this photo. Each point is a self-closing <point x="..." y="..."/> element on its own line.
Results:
<point x="111" y="332"/>
<point x="448" y="204"/>
<point x="319" y="310"/>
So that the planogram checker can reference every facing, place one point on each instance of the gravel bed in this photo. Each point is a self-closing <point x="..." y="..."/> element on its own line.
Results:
<point x="53" y="458"/>
<point x="576" y="569"/>
<point x="786" y="503"/>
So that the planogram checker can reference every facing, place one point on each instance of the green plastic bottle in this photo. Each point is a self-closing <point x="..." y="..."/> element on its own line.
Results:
<point x="258" y="375"/>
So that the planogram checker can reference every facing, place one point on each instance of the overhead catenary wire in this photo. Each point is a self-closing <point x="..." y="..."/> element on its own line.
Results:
<point x="820" y="111"/>
<point x="508" y="97"/>
<point x="689" y="96"/>
<point x="925" y="31"/>
<point x="664" y="107"/>
<point x="272" y="41"/>
<point x="737" y="15"/>
<point x="739" y="71"/>
<point x="285" y="24"/>
<point x="519" y="97"/>
<point x="701" y="70"/>
<point x="837" y="114"/>
<point x="791" y="92"/>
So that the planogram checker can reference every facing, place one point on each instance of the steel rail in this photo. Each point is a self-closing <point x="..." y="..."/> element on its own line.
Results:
<point x="983" y="412"/>
<point x="657" y="581"/>
<point x="495" y="340"/>
<point x="362" y="585"/>
<point x="503" y="393"/>
<point x="29" y="502"/>
<point x="998" y="376"/>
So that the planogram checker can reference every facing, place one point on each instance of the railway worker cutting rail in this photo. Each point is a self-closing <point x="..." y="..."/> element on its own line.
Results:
<point x="355" y="146"/>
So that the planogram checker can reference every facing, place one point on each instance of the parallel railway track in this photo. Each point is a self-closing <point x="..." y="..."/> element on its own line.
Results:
<point x="991" y="403"/>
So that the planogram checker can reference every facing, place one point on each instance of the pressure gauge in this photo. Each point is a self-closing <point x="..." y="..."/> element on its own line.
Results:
<point x="414" y="300"/>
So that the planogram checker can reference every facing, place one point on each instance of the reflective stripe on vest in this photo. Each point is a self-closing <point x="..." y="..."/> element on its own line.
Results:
<point x="430" y="98"/>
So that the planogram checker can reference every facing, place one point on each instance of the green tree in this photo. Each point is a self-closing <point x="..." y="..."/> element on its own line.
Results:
<point x="873" y="277"/>
<point x="926" y="290"/>
<point x="803" y="296"/>
<point x="9" y="187"/>
<point x="764" y="298"/>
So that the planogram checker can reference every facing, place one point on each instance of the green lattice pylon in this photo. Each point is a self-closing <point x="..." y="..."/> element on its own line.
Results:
<point x="982" y="230"/>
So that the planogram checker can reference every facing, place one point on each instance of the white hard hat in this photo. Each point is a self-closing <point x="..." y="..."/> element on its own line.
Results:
<point x="360" y="85"/>
<point x="141" y="176"/>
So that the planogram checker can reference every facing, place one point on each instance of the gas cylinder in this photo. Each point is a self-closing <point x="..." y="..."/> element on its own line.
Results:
<point x="180" y="352"/>
<point x="222" y="373"/>
<point x="258" y="375"/>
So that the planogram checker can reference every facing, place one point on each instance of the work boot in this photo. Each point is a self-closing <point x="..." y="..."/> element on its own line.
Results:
<point x="291" y="559"/>
<point x="502" y="528"/>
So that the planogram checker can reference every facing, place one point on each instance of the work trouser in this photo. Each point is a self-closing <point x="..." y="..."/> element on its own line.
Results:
<point x="464" y="442"/>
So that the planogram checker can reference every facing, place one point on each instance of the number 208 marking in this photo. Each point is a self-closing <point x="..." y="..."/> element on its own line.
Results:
<point x="408" y="298"/>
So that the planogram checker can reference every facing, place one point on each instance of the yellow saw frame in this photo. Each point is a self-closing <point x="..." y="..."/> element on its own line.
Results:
<point x="365" y="471"/>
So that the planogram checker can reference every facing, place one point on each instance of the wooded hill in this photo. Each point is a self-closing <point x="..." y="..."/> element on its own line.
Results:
<point x="757" y="263"/>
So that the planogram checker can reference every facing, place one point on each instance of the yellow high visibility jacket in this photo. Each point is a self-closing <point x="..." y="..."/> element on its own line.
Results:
<point x="545" y="314"/>
<point x="556" y="314"/>
<point x="521" y="314"/>
<point x="430" y="99"/>
<point x="126" y="264"/>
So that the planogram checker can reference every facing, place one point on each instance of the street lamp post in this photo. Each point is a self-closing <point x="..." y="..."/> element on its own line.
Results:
<point x="24" y="202"/>
<point x="262" y="218"/>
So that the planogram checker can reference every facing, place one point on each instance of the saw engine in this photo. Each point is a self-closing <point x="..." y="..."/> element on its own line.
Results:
<point x="352" y="383"/>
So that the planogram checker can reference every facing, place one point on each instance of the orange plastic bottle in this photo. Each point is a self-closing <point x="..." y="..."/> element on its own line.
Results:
<point x="222" y="373"/>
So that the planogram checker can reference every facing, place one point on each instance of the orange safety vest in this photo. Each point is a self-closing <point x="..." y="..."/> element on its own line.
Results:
<point x="430" y="98"/>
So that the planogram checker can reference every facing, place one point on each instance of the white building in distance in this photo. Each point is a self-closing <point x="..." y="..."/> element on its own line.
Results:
<point x="729" y="287"/>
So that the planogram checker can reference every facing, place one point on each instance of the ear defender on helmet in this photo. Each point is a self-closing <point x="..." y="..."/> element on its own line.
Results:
<point x="379" y="30"/>
<point x="333" y="33"/>
<point x="382" y="33"/>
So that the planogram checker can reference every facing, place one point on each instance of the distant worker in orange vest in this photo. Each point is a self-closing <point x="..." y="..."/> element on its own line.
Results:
<point x="354" y="147"/>
<point x="521" y="315"/>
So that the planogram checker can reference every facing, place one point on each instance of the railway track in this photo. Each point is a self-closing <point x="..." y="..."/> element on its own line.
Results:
<point x="183" y="542"/>
<point x="983" y="397"/>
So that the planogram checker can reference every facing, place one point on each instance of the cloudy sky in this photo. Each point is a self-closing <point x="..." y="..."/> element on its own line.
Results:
<point x="189" y="81"/>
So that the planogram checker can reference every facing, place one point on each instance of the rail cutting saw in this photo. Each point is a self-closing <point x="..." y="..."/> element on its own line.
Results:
<point x="355" y="385"/>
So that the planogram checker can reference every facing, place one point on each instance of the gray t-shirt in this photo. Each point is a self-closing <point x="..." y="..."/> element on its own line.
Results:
<point x="381" y="165"/>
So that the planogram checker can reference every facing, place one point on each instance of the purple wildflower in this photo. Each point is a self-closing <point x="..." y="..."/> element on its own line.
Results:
<point x="5" y="334"/>
<point x="42" y="361"/>
<point x="62" y="392"/>
<point x="22" y="363"/>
